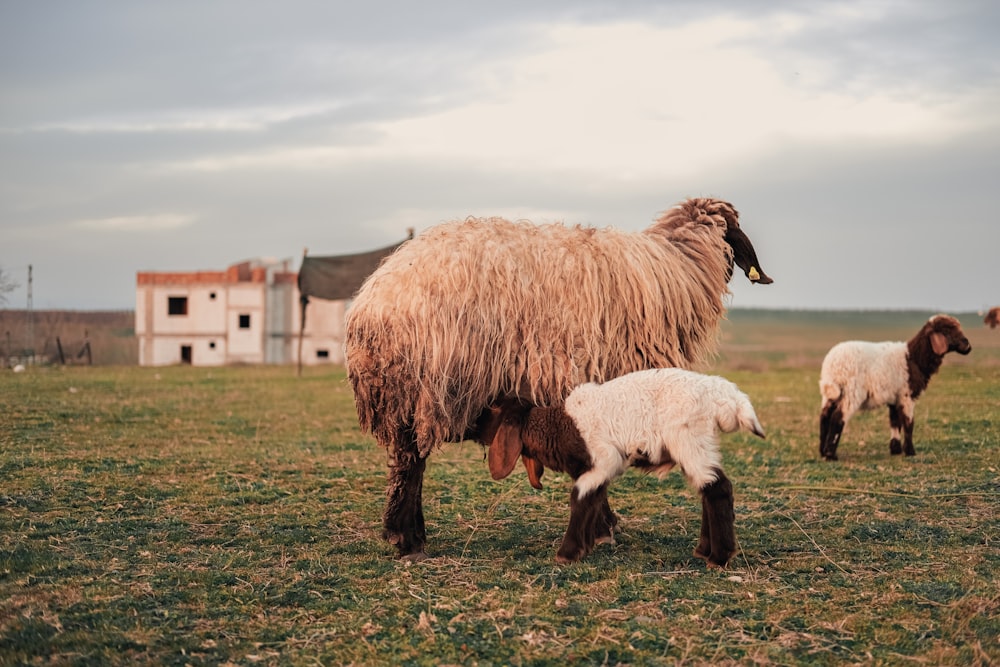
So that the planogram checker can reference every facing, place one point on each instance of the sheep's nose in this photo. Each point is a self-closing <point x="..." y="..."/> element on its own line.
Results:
<point x="965" y="347"/>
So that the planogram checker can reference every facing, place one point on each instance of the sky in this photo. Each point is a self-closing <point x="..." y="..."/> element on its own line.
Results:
<point x="860" y="141"/>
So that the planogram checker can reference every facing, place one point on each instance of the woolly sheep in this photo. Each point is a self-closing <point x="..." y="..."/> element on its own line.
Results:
<point x="653" y="420"/>
<point x="472" y="312"/>
<point x="859" y="375"/>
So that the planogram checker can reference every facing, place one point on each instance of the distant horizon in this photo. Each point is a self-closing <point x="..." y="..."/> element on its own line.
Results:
<point x="797" y="309"/>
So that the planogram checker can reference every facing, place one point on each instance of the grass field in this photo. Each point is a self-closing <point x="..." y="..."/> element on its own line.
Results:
<point x="231" y="517"/>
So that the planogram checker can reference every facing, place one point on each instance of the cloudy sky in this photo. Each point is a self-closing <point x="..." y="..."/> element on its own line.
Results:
<point x="860" y="141"/>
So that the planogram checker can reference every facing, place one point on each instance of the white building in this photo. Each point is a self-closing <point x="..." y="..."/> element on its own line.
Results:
<point x="248" y="314"/>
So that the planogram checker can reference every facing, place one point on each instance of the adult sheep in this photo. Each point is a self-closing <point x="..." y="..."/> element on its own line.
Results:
<point x="860" y="375"/>
<point x="473" y="312"/>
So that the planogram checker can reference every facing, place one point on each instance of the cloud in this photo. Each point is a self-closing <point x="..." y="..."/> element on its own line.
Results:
<point x="643" y="101"/>
<point x="138" y="223"/>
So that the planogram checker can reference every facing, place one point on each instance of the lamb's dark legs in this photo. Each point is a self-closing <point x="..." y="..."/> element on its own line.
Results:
<point x="831" y="425"/>
<point x="717" y="543"/>
<point x="403" y="519"/>
<point x="896" y="429"/>
<point x="901" y="426"/>
<point x="586" y="518"/>
<point x="606" y="523"/>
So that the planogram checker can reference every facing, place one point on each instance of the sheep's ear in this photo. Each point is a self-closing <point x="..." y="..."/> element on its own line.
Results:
<point x="505" y="448"/>
<point x="535" y="470"/>
<point x="939" y="343"/>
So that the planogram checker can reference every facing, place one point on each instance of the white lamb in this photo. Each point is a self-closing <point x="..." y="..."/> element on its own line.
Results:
<point x="653" y="420"/>
<point x="859" y="375"/>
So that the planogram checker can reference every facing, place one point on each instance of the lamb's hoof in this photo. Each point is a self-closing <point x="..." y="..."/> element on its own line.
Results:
<point x="415" y="557"/>
<point x="830" y="457"/>
<point x="910" y="452"/>
<point x="895" y="448"/>
<point x="714" y="566"/>
<point x="605" y="539"/>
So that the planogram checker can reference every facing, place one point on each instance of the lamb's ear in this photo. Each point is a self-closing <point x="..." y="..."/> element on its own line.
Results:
<point x="535" y="470"/>
<point x="505" y="448"/>
<point x="939" y="343"/>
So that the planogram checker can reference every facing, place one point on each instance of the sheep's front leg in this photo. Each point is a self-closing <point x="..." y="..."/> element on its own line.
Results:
<point x="831" y="425"/>
<point x="717" y="543"/>
<point x="895" y="430"/>
<point x="403" y="519"/>
<point x="901" y="426"/>
<point x="586" y="518"/>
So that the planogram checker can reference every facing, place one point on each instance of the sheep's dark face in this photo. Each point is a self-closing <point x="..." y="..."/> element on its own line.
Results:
<point x="744" y="255"/>
<point x="947" y="336"/>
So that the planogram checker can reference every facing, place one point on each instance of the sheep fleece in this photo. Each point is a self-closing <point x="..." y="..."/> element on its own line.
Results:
<point x="661" y="415"/>
<point x="476" y="309"/>
<point x="865" y="375"/>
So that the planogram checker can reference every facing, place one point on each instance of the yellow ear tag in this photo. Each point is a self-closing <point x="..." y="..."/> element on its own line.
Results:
<point x="753" y="273"/>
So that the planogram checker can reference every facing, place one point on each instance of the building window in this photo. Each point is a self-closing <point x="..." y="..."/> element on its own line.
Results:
<point x="177" y="305"/>
<point x="322" y="354"/>
<point x="211" y="344"/>
<point x="185" y="354"/>
<point x="211" y="296"/>
<point x="244" y="321"/>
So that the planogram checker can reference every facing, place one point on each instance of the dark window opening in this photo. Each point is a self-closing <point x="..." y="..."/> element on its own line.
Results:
<point x="244" y="321"/>
<point x="322" y="354"/>
<point x="185" y="354"/>
<point x="177" y="305"/>
<point x="211" y="295"/>
<point x="211" y="344"/>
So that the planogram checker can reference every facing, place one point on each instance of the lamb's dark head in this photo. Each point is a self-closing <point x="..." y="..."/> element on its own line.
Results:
<point x="499" y="428"/>
<point x="946" y="335"/>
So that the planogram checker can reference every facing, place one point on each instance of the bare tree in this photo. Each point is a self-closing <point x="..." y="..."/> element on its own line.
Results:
<point x="7" y="285"/>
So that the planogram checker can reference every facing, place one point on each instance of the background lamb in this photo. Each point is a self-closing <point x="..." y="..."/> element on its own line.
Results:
<point x="858" y="375"/>
<point x="992" y="319"/>
<point x="653" y="420"/>
<point x="470" y="313"/>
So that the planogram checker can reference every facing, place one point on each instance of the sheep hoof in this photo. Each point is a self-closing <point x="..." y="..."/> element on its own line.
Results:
<point x="605" y="539"/>
<point x="831" y="457"/>
<point x="895" y="448"/>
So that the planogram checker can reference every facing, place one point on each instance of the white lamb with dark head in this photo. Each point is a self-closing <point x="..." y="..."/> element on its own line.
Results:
<point x="859" y="375"/>
<point x="653" y="420"/>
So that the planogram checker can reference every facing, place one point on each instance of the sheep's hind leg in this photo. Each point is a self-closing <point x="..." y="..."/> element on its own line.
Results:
<point x="585" y="518"/>
<point x="403" y="518"/>
<point x="606" y="522"/>
<point x="831" y="425"/>
<point x="717" y="543"/>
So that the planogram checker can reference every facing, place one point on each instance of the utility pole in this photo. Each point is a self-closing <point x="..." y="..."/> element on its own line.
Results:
<point x="30" y="343"/>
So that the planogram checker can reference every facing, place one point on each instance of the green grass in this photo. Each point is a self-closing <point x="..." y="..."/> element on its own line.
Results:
<point x="232" y="516"/>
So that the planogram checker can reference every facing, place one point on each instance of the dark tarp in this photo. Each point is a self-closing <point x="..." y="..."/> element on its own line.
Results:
<point x="337" y="277"/>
